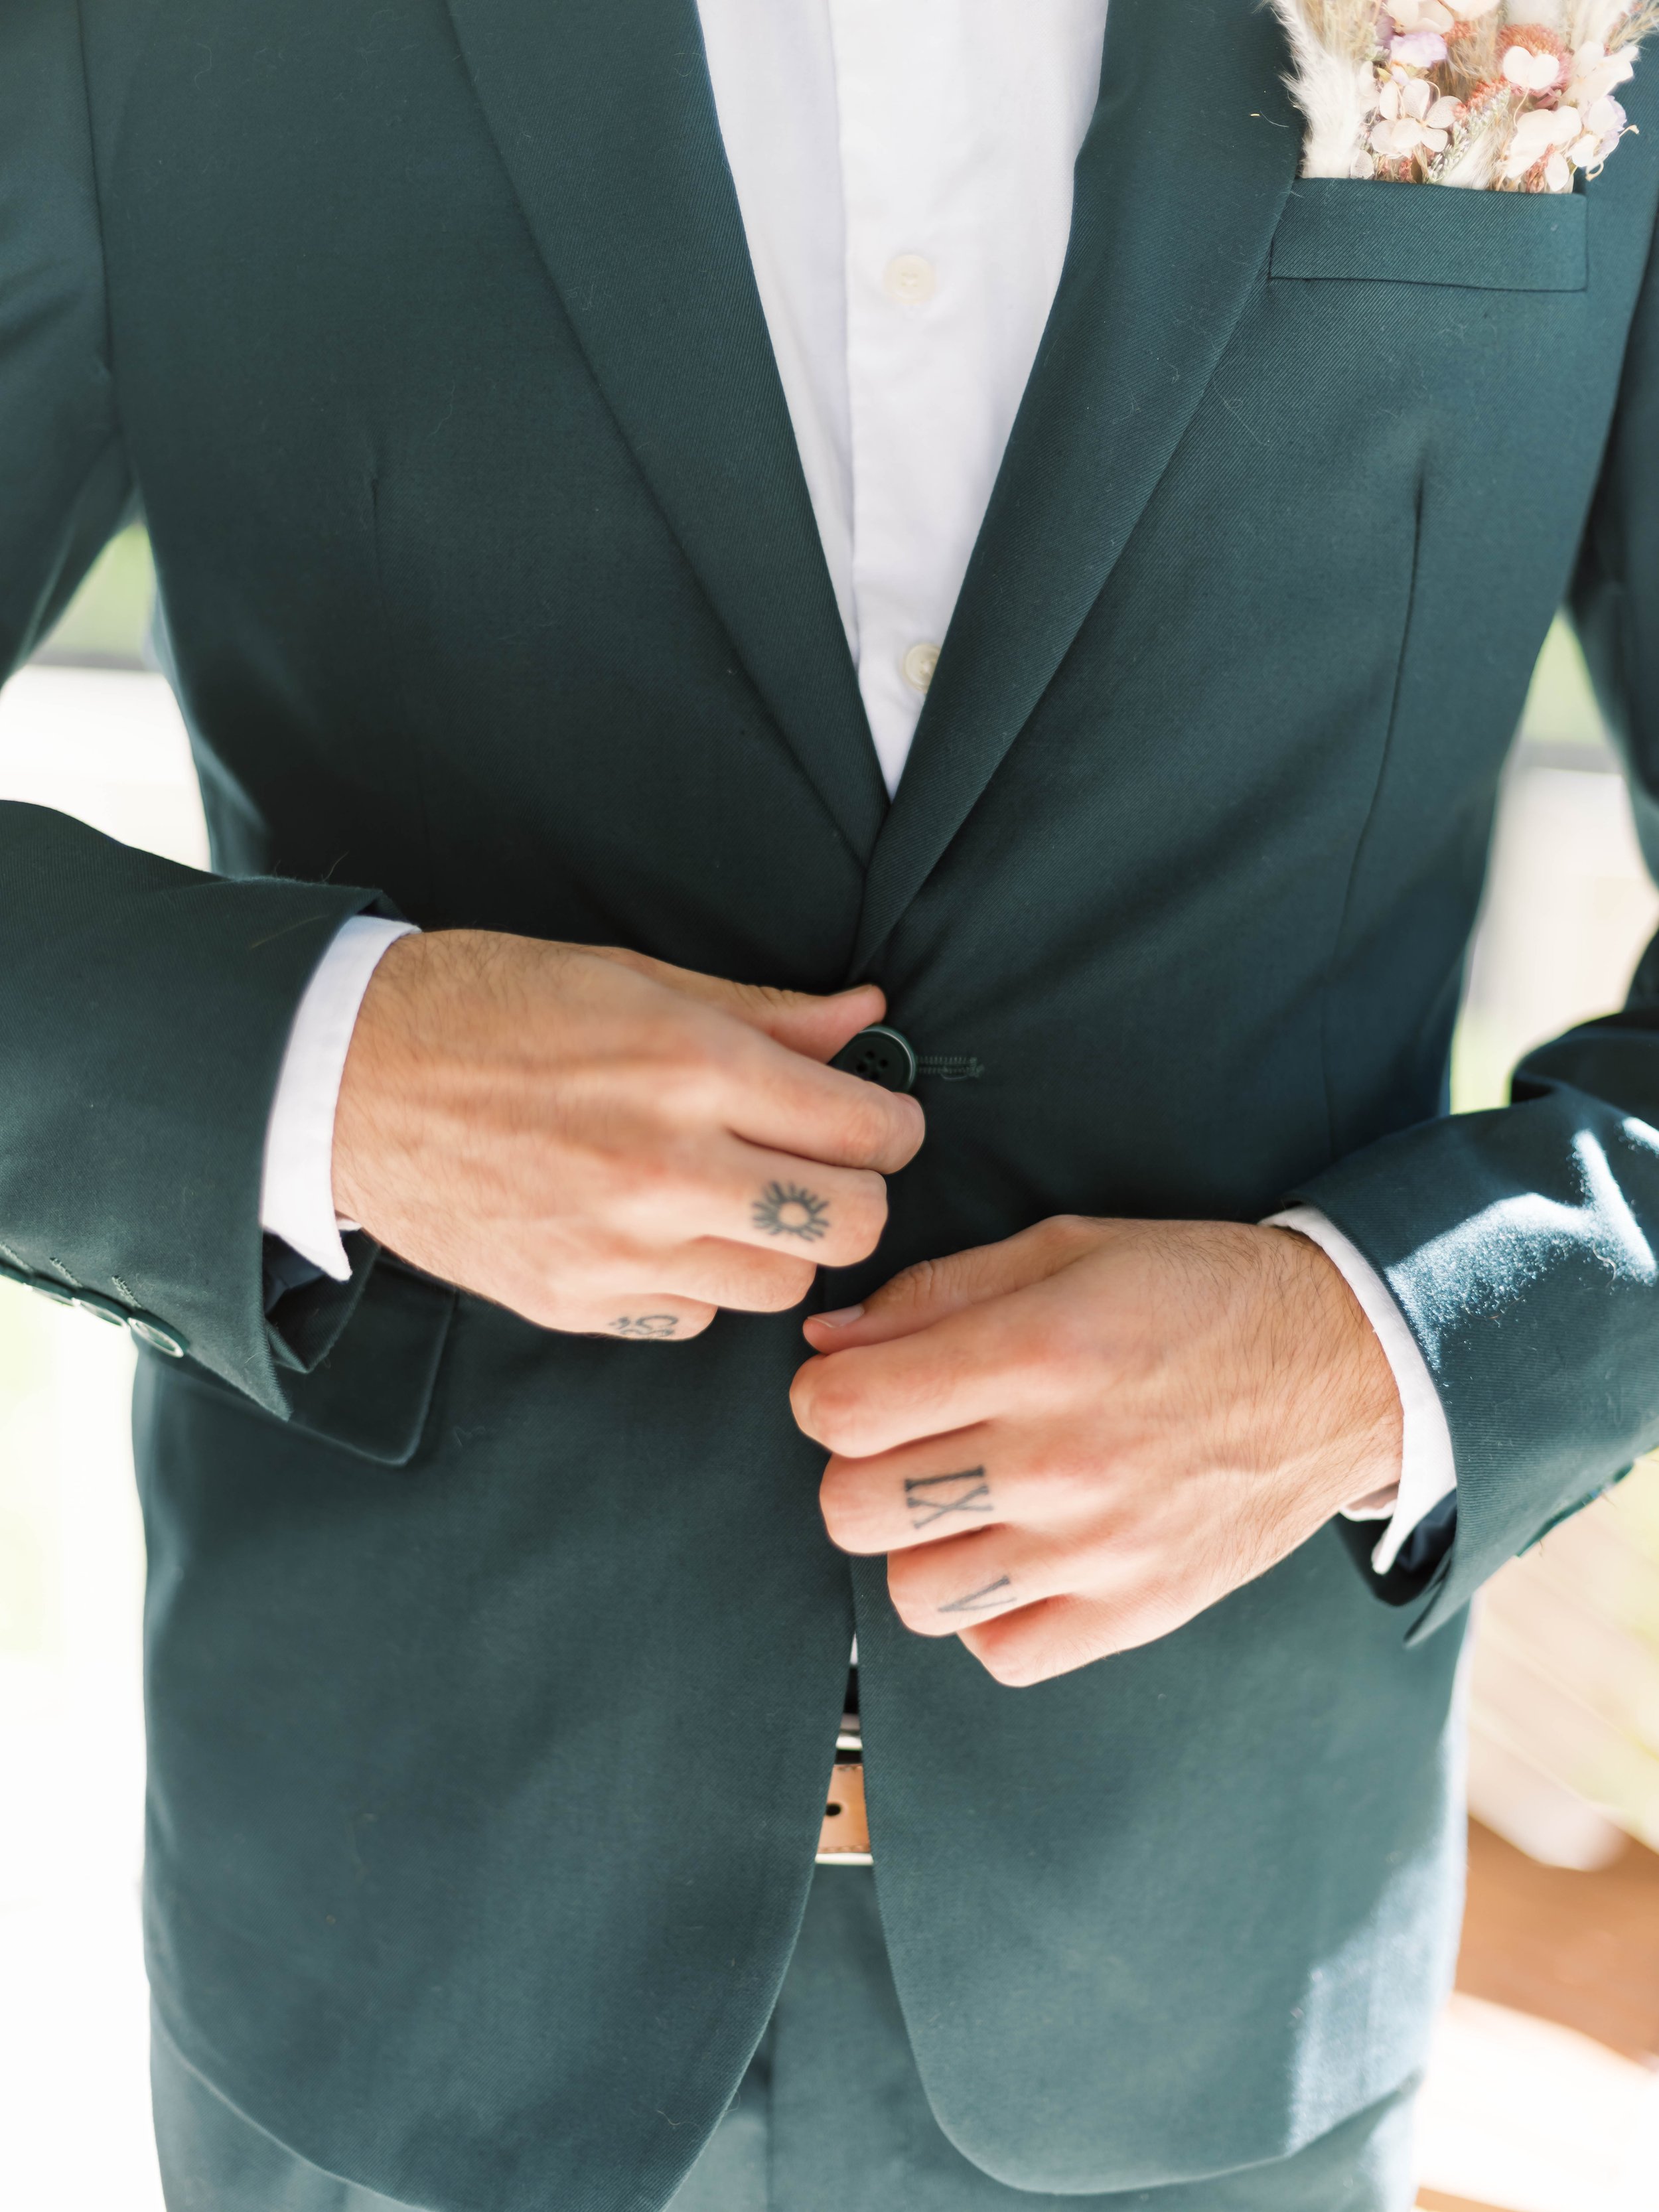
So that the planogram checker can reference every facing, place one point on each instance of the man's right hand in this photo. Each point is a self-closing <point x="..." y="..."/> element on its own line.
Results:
<point x="605" y="1144"/>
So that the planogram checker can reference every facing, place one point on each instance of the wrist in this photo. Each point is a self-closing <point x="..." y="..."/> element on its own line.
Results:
<point x="1352" y="1391"/>
<point x="376" y="1066"/>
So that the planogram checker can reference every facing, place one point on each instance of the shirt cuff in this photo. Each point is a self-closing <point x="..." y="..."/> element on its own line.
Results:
<point x="296" y="1198"/>
<point x="1428" y="1470"/>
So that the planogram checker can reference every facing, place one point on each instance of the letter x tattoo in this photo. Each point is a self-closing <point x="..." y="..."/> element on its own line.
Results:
<point x="931" y="1497"/>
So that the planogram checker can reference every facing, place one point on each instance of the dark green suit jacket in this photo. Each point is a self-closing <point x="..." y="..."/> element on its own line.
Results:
<point x="493" y="1674"/>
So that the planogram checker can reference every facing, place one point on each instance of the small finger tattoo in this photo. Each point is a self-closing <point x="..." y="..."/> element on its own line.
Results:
<point x="645" y="1325"/>
<point x="784" y="1209"/>
<point x="985" y="1600"/>
<point x="933" y="1496"/>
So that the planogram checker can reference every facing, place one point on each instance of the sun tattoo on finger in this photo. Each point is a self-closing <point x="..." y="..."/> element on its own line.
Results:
<point x="784" y="1209"/>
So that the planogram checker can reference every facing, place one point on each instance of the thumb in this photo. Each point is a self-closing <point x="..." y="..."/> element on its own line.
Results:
<point x="800" y="1021"/>
<point x="933" y="1289"/>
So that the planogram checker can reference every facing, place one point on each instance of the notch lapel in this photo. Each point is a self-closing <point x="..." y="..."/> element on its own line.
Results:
<point x="604" y="117"/>
<point x="1192" y="151"/>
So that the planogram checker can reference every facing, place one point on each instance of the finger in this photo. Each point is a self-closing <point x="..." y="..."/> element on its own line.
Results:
<point x="1058" y="1635"/>
<point x="924" y="1494"/>
<point x="969" y="1368"/>
<point x="776" y="1098"/>
<point x="941" y="1589"/>
<point x="770" y="1201"/>
<point x="802" y="1021"/>
<point x="654" y="1317"/>
<point x="835" y="1215"/>
<point x="816" y="1029"/>
<point x="734" y="1276"/>
<point x="933" y="1288"/>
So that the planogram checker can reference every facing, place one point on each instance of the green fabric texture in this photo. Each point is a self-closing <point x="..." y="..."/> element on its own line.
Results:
<point x="830" y="2117"/>
<point x="492" y="1675"/>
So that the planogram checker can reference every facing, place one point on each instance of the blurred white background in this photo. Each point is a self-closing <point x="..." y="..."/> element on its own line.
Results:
<point x="1522" y="2113"/>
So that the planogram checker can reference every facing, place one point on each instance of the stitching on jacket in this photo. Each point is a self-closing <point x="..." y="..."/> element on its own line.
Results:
<point x="120" y="432"/>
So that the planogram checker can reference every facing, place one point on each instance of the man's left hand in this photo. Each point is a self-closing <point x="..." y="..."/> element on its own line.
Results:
<point x="1072" y="1443"/>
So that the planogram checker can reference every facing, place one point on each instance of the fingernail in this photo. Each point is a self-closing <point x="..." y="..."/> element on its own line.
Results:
<point x="843" y="1316"/>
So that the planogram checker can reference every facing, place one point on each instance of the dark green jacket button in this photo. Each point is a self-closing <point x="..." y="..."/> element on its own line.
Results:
<point x="879" y="1056"/>
<point x="157" y="1336"/>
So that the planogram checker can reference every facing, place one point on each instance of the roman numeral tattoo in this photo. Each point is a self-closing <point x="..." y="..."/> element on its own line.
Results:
<point x="932" y="1497"/>
<point x="990" y="1599"/>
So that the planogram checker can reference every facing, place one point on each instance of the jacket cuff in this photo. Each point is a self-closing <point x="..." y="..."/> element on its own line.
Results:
<point x="1513" y="1245"/>
<point x="146" y="1008"/>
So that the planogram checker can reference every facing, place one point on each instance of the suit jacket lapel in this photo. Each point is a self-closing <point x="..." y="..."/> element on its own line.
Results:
<point x="1192" y="151"/>
<point x="606" y="118"/>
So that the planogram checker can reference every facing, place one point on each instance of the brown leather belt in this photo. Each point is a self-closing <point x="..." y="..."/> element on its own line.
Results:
<point x="844" y="1839"/>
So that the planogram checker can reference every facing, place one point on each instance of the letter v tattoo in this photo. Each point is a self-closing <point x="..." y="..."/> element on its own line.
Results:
<point x="981" y="1600"/>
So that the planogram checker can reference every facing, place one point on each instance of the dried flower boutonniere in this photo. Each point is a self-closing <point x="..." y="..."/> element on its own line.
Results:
<point x="1500" y="95"/>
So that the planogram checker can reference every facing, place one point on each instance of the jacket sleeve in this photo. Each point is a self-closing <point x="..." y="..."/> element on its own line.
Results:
<point x="144" y="1006"/>
<point x="1522" y="1244"/>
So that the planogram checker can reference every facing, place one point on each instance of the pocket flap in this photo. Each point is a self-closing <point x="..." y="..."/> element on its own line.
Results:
<point x="372" y="1392"/>
<point x="1341" y="228"/>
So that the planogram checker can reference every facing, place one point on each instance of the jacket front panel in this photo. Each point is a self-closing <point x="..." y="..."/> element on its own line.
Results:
<point x="491" y="1776"/>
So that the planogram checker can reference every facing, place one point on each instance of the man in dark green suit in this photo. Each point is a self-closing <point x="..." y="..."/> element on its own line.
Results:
<point x="494" y="1658"/>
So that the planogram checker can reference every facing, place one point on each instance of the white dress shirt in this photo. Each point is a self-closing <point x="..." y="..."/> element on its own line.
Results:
<point x="904" y="170"/>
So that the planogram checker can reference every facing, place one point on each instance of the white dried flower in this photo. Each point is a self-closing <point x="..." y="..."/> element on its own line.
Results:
<point x="1412" y="120"/>
<point x="1481" y="95"/>
<point x="1531" y="72"/>
<point x="1595" y="72"/>
<point x="1539" y="134"/>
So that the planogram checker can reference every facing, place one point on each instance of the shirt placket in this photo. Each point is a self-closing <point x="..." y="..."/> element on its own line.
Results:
<point x="913" y="298"/>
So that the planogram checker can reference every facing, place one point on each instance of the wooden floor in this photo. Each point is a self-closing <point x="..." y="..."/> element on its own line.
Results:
<point x="1576" y="1952"/>
<point x="1580" y="1949"/>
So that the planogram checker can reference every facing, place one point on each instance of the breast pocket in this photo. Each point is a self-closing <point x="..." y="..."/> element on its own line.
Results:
<point x="1335" y="229"/>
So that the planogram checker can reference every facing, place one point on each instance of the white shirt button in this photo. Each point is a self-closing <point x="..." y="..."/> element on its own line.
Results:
<point x="918" y="665"/>
<point x="910" y="278"/>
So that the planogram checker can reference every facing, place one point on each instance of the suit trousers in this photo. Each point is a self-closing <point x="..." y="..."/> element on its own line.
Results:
<point x="830" y="2117"/>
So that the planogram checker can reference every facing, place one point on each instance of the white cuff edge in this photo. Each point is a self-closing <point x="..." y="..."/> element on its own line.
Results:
<point x="296" y="1197"/>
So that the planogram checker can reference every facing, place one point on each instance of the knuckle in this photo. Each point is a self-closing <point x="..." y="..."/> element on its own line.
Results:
<point x="1012" y="1665"/>
<point x="1063" y="1233"/>
<point x="827" y="1408"/>
<point x="846" y="1517"/>
<point x="804" y="1396"/>
<point x="916" y="1286"/>
<point x="693" y="1080"/>
<point x="777" y="1287"/>
<point x="912" y="1600"/>
<point x="865" y="1216"/>
<point x="870" y="1125"/>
